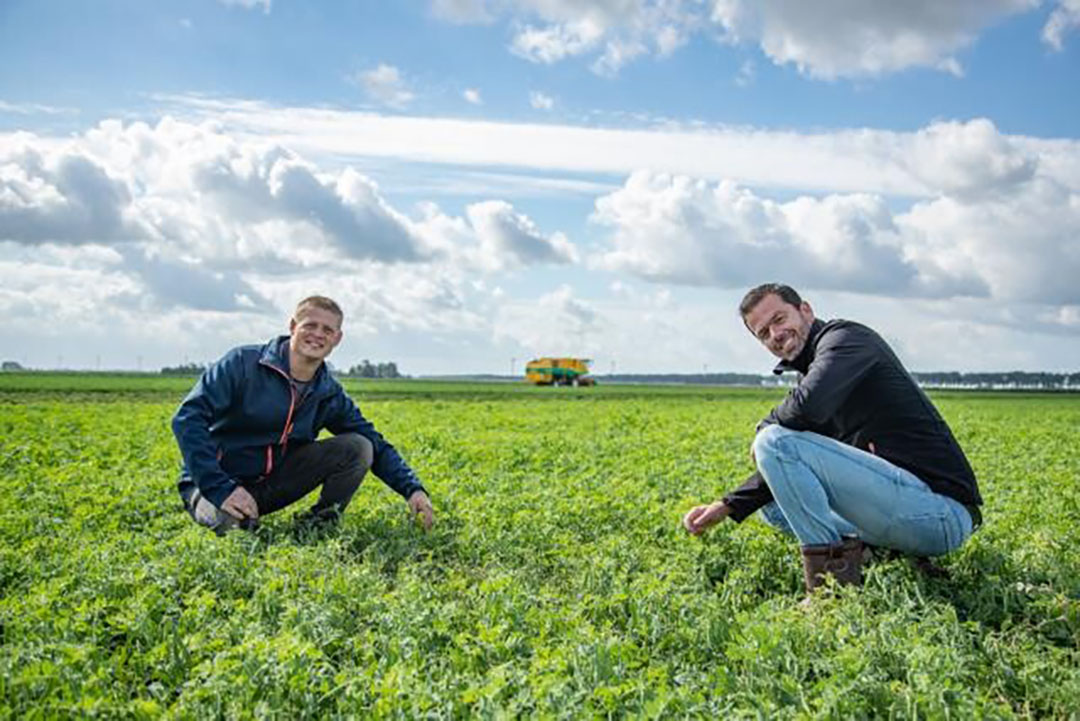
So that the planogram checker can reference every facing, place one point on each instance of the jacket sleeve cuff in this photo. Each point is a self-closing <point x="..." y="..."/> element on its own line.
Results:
<point x="747" y="498"/>
<point x="410" y="490"/>
<point x="218" y="492"/>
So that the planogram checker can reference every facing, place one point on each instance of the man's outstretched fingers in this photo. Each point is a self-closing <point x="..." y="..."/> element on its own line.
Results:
<point x="689" y="521"/>
<point x="700" y="518"/>
<point x="419" y="503"/>
<point x="697" y="519"/>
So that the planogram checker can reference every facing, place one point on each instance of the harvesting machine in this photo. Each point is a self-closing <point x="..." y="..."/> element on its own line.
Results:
<point x="559" y="372"/>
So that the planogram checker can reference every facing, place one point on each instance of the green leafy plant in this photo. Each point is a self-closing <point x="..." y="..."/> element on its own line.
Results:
<point x="556" y="582"/>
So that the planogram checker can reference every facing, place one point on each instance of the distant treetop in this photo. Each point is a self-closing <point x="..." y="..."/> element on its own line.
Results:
<point x="187" y="369"/>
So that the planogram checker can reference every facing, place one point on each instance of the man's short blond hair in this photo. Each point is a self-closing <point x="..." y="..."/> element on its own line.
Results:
<point x="318" y="301"/>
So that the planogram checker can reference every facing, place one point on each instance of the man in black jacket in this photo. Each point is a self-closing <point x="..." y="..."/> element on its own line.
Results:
<point x="855" y="453"/>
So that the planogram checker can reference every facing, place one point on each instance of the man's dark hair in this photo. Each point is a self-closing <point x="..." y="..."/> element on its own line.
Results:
<point x="786" y="293"/>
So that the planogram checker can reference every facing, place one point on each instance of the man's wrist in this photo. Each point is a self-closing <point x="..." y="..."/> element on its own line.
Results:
<point x="218" y="493"/>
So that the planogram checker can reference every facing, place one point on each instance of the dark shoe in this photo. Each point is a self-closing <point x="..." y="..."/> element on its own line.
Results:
<point x="927" y="567"/>
<point x="322" y="518"/>
<point x="922" y="564"/>
<point x="250" y="524"/>
<point x="878" y="554"/>
<point x="842" y="561"/>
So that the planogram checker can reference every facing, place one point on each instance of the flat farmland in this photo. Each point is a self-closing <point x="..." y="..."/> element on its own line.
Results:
<point x="556" y="582"/>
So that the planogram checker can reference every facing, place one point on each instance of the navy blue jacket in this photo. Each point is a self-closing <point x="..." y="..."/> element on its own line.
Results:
<point x="242" y="418"/>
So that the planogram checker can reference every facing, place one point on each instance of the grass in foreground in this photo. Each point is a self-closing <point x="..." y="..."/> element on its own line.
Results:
<point x="556" y="582"/>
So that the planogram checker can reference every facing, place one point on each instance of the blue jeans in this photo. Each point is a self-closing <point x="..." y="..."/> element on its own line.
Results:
<point x="825" y="490"/>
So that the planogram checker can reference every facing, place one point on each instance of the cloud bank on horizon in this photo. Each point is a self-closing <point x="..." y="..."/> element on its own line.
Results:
<point x="461" y="238"/>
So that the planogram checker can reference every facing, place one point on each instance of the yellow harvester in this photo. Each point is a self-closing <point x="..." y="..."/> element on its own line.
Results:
<point x="559" y="372"/>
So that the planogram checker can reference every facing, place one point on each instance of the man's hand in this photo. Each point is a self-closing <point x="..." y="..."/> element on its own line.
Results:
<point x="420" y="504"/>
<point x="700" y="518"/>
<point x="240" y="504"/>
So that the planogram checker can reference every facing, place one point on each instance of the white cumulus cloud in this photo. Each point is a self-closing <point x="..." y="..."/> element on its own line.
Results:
<point x="553" y="43"/>
<point x="201" y="220"/>
<point x="508" y="238"/>
<point x="999" y="231"/>
<point x="968" y="159"/>
<point x="1064" y="19"/>
<point x="745" y="76"/>
<point x="540" y="101"/>
<point x="249" y="4"/>
<point x="462" y="11"/>
<point x="385" y="84"/>
<point x="682" y="230"/>
<point x="63" y="198"/>
<point x="615" y="31"/>
<point x="1023" y="246"/>
<point x="836" y="38"/>
<point x="555" y="324"/>
<point x="826" y="39"/>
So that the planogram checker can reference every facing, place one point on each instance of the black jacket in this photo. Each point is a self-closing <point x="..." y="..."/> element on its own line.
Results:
<point x="853" y="388"/>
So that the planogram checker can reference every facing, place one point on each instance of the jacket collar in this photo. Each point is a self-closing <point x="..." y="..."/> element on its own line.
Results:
<point x="801" y="362"/>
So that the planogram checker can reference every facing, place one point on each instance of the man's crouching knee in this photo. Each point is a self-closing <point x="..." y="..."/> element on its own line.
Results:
<point x="355" y="448"/>
<point x="768" y="440"/>
<point x="349" y="455"/>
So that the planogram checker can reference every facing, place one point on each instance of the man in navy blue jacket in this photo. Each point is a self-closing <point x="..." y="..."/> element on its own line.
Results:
<point x="248" y="432"/>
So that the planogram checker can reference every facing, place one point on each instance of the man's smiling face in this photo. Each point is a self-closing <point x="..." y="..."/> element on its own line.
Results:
<point x="781" y="327"/>
<point x="315" y="333"/>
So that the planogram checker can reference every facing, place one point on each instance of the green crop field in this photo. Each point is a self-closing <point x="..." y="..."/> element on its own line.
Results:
<point x="557" y="581"/>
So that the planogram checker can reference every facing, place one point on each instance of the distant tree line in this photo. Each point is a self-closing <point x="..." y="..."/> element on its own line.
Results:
<point x="946" y="379"/>
<point x="187" y="369"/>
<point x="363" y="369"/>
<point x="1012" y="379"/>
<point x="720" y="379"/>
<point x="367" y="369"/>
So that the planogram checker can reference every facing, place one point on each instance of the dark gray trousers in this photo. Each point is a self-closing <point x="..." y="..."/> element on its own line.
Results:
<point x="338" y="464"/>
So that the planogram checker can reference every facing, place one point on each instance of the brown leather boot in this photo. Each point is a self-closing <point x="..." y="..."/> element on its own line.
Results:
<point x="842" y="561"/>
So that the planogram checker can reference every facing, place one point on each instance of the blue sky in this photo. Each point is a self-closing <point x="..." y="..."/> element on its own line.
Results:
<point x="486" y="180"/>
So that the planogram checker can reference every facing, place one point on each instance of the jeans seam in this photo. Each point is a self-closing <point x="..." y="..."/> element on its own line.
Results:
<point x="946" y="534"/>
<point x="805" y="510"/>
<point x="857" y="459"/>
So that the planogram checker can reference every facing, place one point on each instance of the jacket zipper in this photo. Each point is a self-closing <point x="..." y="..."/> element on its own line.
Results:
<point x="283" y="441"/>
